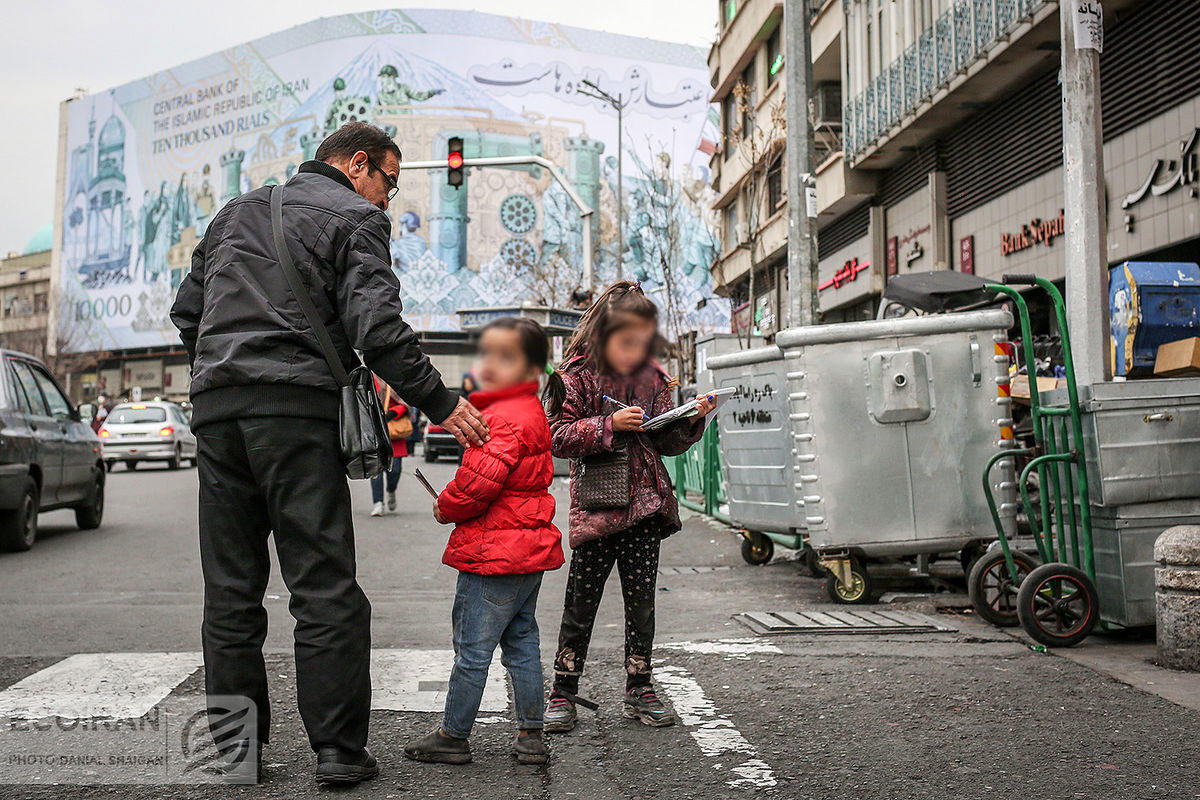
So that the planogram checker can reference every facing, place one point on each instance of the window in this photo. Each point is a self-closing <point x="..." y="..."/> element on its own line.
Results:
<point x="728" y="114"/>
<point x="127" y="415"/>
<point x="60" y="407"/>
<point x="731" y="225"/>
<point x="775" y="184"/>
<point x="33" y="396"/>
<point x="775" y="55"/>
<point x="40" y="303"/>
<point x="728" y="12"/>
<point x="747" y="80"/>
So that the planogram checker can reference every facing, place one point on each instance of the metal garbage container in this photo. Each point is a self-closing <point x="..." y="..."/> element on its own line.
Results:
<point x="756" y="450"/>
<point x="893" y="421"/>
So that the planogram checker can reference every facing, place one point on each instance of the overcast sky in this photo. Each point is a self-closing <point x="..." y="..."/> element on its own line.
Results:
<point x="48" y="49"/>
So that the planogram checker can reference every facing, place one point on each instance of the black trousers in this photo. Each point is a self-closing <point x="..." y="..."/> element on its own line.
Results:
<point x="635" y="552"/>
<point x="283" y="475"/>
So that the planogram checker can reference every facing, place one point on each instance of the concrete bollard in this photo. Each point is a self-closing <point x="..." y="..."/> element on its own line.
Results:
<point x="1177" y="596"/>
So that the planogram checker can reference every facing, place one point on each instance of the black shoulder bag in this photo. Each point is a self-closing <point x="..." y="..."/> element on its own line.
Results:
<point x="366" y="448"/>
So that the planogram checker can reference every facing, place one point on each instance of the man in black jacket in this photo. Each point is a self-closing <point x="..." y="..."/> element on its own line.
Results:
<point x="265" y="417"/>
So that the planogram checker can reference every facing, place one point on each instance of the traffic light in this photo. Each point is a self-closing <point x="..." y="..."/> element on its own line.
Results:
<point x="454" y="162"/>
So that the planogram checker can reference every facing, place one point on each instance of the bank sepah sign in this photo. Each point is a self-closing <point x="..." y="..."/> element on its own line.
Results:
<point x="1037" y="232"/>
<point x="149" y="164"/>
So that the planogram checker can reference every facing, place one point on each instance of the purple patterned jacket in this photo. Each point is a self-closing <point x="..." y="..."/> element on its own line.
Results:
<point x="585" y="428"/>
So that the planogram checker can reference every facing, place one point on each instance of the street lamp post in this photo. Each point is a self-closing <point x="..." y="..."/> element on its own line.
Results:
<point x="618" y="103"/>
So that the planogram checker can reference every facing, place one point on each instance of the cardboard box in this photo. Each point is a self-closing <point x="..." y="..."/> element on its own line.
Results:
<point x="1179" y="359"/>
<point x="1020" y="386"/>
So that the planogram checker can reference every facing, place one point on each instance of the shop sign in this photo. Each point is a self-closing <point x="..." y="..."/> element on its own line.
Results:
<point x="1181" y="173"/>
<point x="1038" y="231"/>
<point x="966" y="255"/>
<point x="848" y="273"/>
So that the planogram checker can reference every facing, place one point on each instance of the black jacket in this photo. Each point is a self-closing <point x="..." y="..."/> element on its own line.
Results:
<point x="252" y="351"/>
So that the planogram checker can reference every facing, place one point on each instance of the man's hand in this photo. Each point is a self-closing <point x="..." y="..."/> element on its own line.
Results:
<point x="437" y="513"/>
<point x="628" y="419"/>
<point x="467" y="425"/>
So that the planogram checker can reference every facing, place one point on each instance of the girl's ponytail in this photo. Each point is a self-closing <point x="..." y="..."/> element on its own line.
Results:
<point x="554" y="394"/>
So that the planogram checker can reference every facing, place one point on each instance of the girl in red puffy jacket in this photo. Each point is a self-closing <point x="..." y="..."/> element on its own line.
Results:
<point x="504" y="539"/>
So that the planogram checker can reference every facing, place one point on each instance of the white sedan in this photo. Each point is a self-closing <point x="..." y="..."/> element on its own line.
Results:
<point x="154" y="431"/>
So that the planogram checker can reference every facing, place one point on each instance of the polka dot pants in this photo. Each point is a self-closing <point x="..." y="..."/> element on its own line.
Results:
<point x="635" y="552"/>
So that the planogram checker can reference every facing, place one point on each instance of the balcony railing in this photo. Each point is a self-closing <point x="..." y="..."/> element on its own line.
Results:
<point x="962" y="34"/>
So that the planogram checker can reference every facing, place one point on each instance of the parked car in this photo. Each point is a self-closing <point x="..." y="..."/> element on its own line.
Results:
<point x="151" y="431"/>
<point x="49" y="457"/>
<point x="440" y="442"/>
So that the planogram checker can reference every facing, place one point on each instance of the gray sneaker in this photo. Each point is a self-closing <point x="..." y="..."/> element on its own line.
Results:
<point x="531" y="749"/>
<point x="560" y="715"/>
<point x="641" y="702"/>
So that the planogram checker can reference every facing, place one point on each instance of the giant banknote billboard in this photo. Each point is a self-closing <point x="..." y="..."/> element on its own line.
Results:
<point x="147" y="165"/>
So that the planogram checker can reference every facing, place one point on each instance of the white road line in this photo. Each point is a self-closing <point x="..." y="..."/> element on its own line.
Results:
<point x="415" y="680"/>
<point x="730" y="648"/>
<point x="98" y="685"/>
<point x="714" y="733"/>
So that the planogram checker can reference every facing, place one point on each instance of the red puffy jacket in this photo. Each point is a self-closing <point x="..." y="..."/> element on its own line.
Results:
<point x="499" y="496"/>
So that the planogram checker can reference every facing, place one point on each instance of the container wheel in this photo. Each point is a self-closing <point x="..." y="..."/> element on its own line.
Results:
<point x="992" y="590"/>
<point x="756" y="548"/>
<point x="858" y="591"/>
<point x="1058" y="605"/>
<point x="813" y="562"/>
<point x="971" y="553"/>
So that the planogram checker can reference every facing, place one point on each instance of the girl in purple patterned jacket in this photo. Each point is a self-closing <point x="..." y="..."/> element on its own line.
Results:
<point x="607" y="360"/>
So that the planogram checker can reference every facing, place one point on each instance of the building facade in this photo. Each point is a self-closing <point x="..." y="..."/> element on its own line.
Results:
<point x="25" y="301"/>
<point x="951" y="139"/>
<point x="144" y="167"/>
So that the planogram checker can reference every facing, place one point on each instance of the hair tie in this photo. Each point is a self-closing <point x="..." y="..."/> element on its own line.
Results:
<point x="549" y="368"/>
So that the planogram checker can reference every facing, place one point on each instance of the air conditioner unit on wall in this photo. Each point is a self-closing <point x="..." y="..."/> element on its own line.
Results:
<point x="742" y="232"/>
<point x="827" y="104"/>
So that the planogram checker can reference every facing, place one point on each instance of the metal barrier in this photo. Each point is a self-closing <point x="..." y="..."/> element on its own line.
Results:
<point x="699" y="481"/>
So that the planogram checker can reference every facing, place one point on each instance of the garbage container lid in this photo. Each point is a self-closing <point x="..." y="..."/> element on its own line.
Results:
<point x="940" y="290"/>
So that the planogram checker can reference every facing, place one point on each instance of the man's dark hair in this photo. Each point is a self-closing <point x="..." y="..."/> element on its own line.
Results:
<point x="354" y="136"/>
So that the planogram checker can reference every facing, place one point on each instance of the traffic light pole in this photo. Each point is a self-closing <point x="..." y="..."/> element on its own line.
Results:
<point x="585" y="211"/>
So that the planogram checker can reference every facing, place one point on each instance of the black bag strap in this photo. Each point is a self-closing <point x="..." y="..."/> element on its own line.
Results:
<point x="301" y="294"/>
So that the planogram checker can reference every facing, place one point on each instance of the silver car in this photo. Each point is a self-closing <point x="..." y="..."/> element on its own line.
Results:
<point x="152" y="431"/>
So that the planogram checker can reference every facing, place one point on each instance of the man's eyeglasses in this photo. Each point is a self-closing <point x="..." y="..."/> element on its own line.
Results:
<point x="395" y="187"/>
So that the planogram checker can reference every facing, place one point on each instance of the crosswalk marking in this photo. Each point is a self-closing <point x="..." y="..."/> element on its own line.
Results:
<point x="98" y="685"/>
<point x="129" y="685"/>
<point x="416" y="680"/>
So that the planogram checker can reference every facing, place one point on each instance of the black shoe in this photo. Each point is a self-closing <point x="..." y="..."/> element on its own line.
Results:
<point x="439" y="748"/>
<point x="336" y="765"/>
<point x="238" y="763"/>
<point x="560" y="714"/>
<point x="531" y="749"/>
<point x="642" y="703"/>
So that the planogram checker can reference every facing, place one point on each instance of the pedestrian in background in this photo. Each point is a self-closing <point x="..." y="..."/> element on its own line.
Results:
<point x="265" y="415"/>
<point x="400" y="428"/>
<point x="468" y="386"/>
<point x="103" y="408"/>
<point x="504" y="539"/>
<point x="611" y="384"/>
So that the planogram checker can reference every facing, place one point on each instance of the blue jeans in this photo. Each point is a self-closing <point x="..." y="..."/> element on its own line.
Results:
<point x="492" y="610"/>
<point x="393" y="479"/>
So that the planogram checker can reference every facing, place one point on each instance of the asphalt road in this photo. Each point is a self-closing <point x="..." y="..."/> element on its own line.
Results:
<point x="970" y="713"/>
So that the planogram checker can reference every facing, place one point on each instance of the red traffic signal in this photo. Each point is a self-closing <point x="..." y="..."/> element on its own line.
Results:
<point x="454" y="161"/>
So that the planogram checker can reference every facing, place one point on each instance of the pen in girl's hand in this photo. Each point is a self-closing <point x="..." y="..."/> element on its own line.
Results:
<point x="619" y="404"/>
